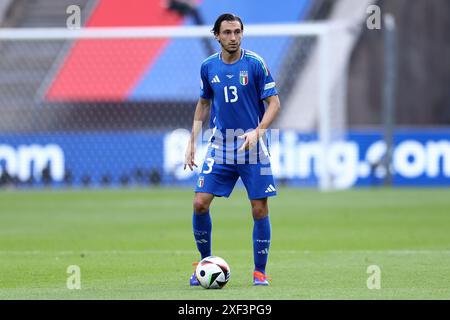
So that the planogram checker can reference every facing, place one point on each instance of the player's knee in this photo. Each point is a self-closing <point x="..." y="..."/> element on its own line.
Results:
<point x="259" y="212"/>
<point x="201" y="206"/>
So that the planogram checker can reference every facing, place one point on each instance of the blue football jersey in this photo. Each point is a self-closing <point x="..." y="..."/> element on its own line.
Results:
<point x="237" y="92"/>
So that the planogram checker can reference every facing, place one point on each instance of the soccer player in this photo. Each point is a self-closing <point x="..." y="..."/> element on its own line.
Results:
<point x="235" y="85"/>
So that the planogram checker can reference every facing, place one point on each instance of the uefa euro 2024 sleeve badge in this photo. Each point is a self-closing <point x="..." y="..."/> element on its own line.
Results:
<point x="243" y="77"/>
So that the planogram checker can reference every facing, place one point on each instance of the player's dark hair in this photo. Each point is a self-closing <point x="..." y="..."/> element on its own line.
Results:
<point x="226" y="17"/>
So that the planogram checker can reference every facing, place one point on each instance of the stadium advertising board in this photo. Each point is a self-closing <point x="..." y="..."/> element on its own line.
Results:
<point x="419" y="158"/>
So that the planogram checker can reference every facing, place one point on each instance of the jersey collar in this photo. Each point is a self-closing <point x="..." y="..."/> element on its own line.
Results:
<point x="242" y="54"/>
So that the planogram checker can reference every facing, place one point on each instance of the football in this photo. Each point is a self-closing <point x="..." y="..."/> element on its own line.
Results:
<point x="213" y="272"/>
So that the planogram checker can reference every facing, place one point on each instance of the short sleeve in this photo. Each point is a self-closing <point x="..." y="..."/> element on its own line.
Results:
<point x="266" y="84"/>
<point x="205" y="88"/>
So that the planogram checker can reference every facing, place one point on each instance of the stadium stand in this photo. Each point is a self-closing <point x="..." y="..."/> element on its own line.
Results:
<point x="4" y="6"/>
<point x="23" y="65"/>
<point x="301" y="101"/>
<point x="143" y="84"/>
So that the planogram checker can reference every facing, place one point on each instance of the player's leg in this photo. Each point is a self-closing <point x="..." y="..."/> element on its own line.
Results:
<point x="201" y="227"/>
<point x="260" y="185"/>
<point x="261" y="239"/>
<point x="201" y="223"/>
<point x="214" y="180"/>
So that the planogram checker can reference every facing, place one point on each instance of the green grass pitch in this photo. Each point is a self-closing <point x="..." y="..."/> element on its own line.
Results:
<point x="138" y="244"/>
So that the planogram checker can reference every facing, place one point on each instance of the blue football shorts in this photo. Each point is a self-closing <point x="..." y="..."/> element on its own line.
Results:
<point x="220" y="179"/>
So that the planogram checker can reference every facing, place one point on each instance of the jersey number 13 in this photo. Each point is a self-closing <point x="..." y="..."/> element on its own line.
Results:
<point x="230" y="93"/>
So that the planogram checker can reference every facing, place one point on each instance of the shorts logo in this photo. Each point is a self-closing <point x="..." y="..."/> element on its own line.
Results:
<point x="201" y="182"/>
<point x="270" y="188"/>
<point x="243" y="77"/>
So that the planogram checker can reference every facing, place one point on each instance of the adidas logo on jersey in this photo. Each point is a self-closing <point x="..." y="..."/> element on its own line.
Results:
<point x="215" y="79"/>
<point x="270" y="188"/>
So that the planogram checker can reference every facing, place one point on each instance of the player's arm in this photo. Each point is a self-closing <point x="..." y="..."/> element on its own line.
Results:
<point x="273" y="107"/>
<point x="201" y="112"/>
<point x="251" y="138"/>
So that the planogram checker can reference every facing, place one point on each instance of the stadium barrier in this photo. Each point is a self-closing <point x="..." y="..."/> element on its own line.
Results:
<point x="420" y="158"/>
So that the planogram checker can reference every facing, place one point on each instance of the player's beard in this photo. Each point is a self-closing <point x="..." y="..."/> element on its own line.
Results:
<point x="232" y="51"/>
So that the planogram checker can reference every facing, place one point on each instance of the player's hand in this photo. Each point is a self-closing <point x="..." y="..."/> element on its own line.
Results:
<point x="251" y="139"/>
<point x="190" y="157"/>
